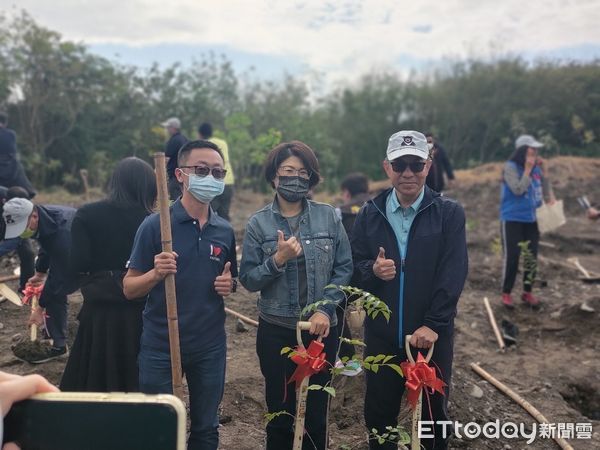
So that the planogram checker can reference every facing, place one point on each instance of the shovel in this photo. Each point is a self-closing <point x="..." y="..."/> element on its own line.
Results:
<point x="415" y="440"/>
<point x="10" y="295"/>
<point x="301" y="394"/>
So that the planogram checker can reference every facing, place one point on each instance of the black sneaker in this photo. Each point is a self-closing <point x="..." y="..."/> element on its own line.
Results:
<point x="50" y="354"/>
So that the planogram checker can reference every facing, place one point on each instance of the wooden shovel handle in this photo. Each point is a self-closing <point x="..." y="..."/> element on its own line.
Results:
<point x="409" y="354"/>
<point x="33" y="329"/>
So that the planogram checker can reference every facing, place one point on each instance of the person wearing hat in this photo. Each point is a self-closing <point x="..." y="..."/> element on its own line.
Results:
<point x="524" y="185"/>
<point x="175" y="142"/>
<point x="51" y="226"/>
<point x="23" y="247"/>
<point x="409" y="249"/>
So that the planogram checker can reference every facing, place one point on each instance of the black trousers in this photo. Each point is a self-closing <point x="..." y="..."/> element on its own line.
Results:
<point x="513" y="234"/>
<point x="222" y="203"/>
<point x="385" y="389"/>
<point x="281" y="396"/>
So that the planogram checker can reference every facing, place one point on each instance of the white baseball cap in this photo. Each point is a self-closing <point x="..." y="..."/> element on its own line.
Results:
<point x="172" y="122"/>
<point x="407" y="142"/>
<point x="16" y="214"/>
<point x="528" y="140"/>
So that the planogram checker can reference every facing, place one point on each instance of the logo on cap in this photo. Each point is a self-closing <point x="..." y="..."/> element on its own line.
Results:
<point x="408" y="140"/>
<point x="8" y="219"/>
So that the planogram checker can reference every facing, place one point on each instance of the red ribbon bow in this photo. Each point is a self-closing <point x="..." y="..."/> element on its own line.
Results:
<point x="31" y="291"/>
<point x="310" y="361"/>
<point x="419" y="375"/>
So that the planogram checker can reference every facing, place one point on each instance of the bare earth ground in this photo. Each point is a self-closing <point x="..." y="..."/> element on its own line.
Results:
<point x="555" y="366"/>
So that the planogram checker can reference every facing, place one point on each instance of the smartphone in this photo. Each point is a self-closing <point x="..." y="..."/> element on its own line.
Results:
<point x="97" y="421"/>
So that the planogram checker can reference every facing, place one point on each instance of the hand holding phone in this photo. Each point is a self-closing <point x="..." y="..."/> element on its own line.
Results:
<point x="97" y="421"/>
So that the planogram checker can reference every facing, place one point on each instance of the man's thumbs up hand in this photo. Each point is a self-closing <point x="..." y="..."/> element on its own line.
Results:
<point x="286" y="250"/>
<point x="224" y="282"/>
<point x="384" y="269"/>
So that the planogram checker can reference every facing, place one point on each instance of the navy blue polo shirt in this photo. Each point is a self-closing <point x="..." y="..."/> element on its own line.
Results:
<point x="202" y="254"/>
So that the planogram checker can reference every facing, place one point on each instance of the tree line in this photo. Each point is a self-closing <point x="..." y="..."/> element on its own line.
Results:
<point x="73" y="109"/>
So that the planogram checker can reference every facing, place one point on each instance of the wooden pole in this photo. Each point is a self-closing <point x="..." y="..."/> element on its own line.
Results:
<point x="301" y="395"/>
<point x="519" y="400"/>
<point x="6" y="278"/>
<point x="490" y="313"/>
<point x="167" y="246"/>
<point x="86" y="185"/>
<point x="243" y="318"/>
<point x="33" y="328"/>
<point x="415" y="440"/>
<point x="576" y="263"/>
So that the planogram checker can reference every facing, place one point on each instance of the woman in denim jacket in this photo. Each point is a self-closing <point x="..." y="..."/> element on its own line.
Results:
<point x="293" y="249"/>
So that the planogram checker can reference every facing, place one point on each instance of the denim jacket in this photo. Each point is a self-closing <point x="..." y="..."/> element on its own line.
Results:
<point x="326" y="249"/>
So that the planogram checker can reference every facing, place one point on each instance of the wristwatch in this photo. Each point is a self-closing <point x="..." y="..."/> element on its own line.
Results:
<point x="234" y="284"/>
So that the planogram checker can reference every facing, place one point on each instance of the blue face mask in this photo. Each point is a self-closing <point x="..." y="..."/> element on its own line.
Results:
<point x="205" y="189"/>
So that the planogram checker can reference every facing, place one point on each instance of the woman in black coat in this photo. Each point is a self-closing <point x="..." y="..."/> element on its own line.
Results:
<point x="104" y="354"/>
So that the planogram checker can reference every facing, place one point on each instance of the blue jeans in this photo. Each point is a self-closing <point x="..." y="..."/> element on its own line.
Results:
<point x="205" y="375"/>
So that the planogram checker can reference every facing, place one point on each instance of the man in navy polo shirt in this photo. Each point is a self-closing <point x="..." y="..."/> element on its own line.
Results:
<point x="204" y="264"/>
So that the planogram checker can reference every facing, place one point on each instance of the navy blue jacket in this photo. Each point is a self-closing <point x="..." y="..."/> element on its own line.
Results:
<point x="435" y="267"/>
<point x="54" y="236"/>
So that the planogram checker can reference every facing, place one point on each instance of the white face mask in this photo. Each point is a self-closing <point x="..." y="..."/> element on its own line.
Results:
<point x="430" y="146"/>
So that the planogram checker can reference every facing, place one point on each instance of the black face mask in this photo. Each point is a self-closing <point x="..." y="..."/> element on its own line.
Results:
<point x="292" y="189"/>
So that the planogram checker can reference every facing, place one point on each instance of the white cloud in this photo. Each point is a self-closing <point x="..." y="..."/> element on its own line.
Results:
<point x="336" y="37"/>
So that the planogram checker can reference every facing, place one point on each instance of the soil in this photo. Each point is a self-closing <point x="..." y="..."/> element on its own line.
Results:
<point x="554" y="366"/>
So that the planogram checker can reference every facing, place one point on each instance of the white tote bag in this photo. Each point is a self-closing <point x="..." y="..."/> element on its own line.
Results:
<point x="550" y="217"/>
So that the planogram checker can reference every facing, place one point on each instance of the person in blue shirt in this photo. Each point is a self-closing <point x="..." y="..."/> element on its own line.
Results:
<point x="409" y="249"/>
<point x="295" y="250"/>
<point x="204" y="263"/>
<point x="524" y="185"/>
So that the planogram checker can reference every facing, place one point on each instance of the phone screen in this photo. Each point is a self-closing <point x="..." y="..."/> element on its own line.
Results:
<point x="94" y="425"/>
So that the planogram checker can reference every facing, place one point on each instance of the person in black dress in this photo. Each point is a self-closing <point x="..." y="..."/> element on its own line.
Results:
<point x="104" y="354"/>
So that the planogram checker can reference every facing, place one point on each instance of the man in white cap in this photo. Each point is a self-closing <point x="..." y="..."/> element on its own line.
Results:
<point x="175" y="142"/>
<point x="409" y="249"/>
<point x="51" y="226"/>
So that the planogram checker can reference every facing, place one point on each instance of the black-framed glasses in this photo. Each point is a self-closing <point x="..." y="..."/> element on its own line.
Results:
<point x="289" y="171"/>
<point x="400" y="166"/>
<point x="203" y="171"/>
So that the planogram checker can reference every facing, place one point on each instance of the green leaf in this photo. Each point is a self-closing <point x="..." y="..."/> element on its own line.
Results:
<point x="396" y="368"/>
<point x="315" y="387"/>
<point x="285" y="350"/>
<point x="387" y="358"/>
<point x="330" y="390"/>
<point x="375" y="368"/>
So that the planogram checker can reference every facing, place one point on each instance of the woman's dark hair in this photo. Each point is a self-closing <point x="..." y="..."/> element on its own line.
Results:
<point x="519" y="156"/>
<point x="294" y="148"/>
<point x="133" y="184"/>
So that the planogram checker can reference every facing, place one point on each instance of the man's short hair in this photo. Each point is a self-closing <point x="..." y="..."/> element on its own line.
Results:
<point x="17" y="192"/>
<point x="3" y="118"/>
<point x="185" y="150"/>
<point x="206" y="130"/>
<point x="356" y="183"/>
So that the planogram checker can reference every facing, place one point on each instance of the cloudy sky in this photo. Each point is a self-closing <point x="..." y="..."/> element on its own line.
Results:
<point x="337" y="39"/>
